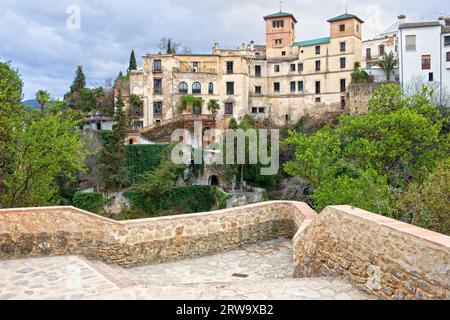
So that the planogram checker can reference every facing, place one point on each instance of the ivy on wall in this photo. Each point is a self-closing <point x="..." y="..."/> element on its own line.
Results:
<point x="142" y="158"/>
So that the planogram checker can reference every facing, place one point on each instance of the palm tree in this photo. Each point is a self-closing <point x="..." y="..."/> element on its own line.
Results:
<point x="42" y="97"/>
<point x="388" y="64"/>
<point x="213" y="106"/>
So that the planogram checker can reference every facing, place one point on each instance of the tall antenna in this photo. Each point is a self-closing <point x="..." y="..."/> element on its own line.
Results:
<point x="281" y="5"/>
<point x="346" y="7"/>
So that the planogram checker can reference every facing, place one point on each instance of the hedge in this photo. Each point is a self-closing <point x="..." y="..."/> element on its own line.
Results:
<point x="89" y="201"/>
<point x="142" y="158"/>
<point x="181" y="200"/>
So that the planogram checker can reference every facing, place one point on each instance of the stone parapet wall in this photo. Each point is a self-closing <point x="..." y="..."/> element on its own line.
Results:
<point x="382" y="256"/>
<point x="70" y="231"/>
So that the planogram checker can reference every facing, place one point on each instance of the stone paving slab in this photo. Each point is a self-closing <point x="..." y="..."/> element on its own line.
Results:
<point x="262" y="271"/>
<point x="50" y="278"/>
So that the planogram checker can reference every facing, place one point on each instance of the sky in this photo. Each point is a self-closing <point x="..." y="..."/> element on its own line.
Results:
<point x="47" y="39"/>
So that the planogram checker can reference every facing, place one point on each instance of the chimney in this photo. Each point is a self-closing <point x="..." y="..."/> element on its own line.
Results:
<point x="215" y="46"/>
<point x="243" y="46"/>
<point x="401" y="19"/>
<point x="252" y="45"/>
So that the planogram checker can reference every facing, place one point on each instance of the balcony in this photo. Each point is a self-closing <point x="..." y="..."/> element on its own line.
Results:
<point x="195" y="70"/>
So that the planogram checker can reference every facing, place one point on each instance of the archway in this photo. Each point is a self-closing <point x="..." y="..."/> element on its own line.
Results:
<point x="213" y="181"/>
<point x="131" y="141"/>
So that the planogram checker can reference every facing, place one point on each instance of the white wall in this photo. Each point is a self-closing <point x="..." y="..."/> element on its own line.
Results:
<point x="427" y="43"/>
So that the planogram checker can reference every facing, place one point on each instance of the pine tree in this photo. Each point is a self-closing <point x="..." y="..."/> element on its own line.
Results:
<point x="112" y="156"/>
<point x="133" y="64"/>
<point x="79" y="82"/>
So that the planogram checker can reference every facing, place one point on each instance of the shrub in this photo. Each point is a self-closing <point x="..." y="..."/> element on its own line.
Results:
<point x="142" y="158"/>
<point x="89" y="201"/>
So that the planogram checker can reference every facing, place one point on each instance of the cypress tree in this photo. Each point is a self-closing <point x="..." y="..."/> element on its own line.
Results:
<point x="112" y="156"/>
<point x="79" y="82"/>
<point x="169" y="47"/>
<point x="133" y="64"/>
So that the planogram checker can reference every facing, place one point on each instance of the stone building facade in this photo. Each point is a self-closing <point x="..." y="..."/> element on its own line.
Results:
<point x="282" y="80"/>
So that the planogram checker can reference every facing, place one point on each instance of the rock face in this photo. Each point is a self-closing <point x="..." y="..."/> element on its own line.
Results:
<point x="382" y="256"/>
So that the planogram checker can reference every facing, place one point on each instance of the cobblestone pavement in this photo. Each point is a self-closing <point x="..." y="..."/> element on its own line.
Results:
<point x="262" y="271"/>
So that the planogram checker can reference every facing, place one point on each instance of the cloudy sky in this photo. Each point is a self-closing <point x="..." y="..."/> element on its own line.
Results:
<point x="35" y="37"/>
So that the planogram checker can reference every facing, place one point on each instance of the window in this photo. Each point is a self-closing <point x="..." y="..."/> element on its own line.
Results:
<point x="430" y="76"/>
<point x="343" y="63"/>
<point x="195" y="67"/>
<point x="228" y="108"/>
<point x="300" y="67"/>
<point x="276" y="68"/>
<point x="318" y="65"/>
<point x="447" y="41"/>
<point x="342" y="46"/>
<point x="381" y="50"/>
<point x="157" y="86"/>
<point x="343" y="85"/>
<point x="278" y="41"/>
<point x="257" y="71"/>
<point x="262" y="110"/>
<point x="211" y="88"/>
<point x="258" y="90"/>
<point x="447" y="23"/>
<point x="448" y="56"/>
<point x="254" y="110"/>
<point x="426" y="62"/>
<point x="276" y="87"/>
<point x="368" y="53"/>
<point x="357" y="28"/>
<point x="278" y="23"/>
<point x="230" y="88"/>
<point x="286" y="117"/>
<point x="317" y="49"/>
<point x="293" y="86"/>
<point x="157" y="109"/>
<point x="230" y="66"/>
<point x="157" y="65"/>
<point x="293" y="67"/>
<point x="183" y="87"/>
<point x="318" y="99"/>
<point x="196" y="88"/>
<point x="283" y="53"/>
<point x="342" y="27"/>
<point x="410" y="43"/>
<point x="300" y="86"/>
<point x="317" y="87"/>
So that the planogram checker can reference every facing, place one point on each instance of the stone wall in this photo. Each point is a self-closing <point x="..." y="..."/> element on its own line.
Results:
<point x="358" y="97"/>
<point x="70" y="231"/>
<point x="379" y="255"/>
<point x="382" y="256"/>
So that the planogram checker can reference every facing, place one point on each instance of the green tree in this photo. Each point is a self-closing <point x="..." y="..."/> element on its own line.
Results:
<point x="79" y="82"/>
<point x="398" y="142"/>
<point x="112" y="157"/>
<point x="133" y="64"/>
<point x="11" y="114"/>
<point x="358" y="75"/>
<point x="427" y="204"/>
<point x="387" y="64"/>
<point x="43" y="97"/>
<point x="213" y="107"/>
<point x="45" y="145"/>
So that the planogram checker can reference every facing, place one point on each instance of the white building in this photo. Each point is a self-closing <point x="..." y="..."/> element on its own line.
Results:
<point x="424" y="52"/>
<point x="373" y="50"/>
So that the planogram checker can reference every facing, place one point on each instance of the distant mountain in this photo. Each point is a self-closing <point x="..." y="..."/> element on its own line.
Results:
<point x="32" y="103"/>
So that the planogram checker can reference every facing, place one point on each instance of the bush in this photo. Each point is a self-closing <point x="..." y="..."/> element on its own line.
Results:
<point x="179" y="200"/>
<point x="89" y="201"/>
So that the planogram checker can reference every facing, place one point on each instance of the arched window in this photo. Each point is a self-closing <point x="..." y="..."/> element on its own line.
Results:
<point x="211" y="88"/>
<point x="196" y="88"/>
<point x="183" y="87"/>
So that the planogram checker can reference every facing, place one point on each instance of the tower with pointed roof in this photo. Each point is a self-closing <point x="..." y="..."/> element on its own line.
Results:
<point x="280" y="30"/>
